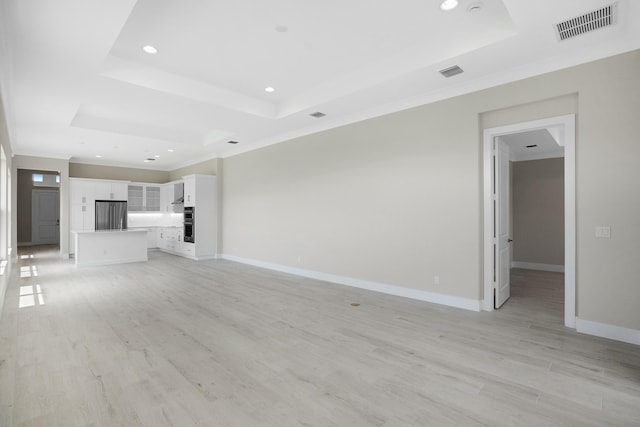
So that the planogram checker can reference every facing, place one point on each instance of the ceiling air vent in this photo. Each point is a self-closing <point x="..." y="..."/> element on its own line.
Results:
<point x="317" y="114"/>
<point x="588" y="22"/>
<point x="451" y="71"/>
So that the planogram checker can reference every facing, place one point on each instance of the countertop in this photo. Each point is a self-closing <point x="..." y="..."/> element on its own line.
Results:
<point x="155" y="226"/>
<point x="129" y="230"/>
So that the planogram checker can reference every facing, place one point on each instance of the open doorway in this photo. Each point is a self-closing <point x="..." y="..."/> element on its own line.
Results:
<point x="536" y="180"/>
<point x="38" y="208"/>
<point x="499" y="148"/>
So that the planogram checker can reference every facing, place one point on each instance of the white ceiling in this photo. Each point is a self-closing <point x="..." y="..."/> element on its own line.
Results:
<point x="534" y="144"/>
<point x="76" y="83"/>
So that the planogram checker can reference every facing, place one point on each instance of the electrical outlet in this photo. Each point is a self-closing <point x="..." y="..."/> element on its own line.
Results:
<point x="436" y="280"/>
<point x="603" y="232"/>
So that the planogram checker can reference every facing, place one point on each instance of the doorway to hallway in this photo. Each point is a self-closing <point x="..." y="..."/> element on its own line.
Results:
<point x="497" y="208"/>
<point x="38" y="207"/>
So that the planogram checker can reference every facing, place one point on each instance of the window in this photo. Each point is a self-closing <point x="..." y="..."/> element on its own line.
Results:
<point x="5" y="237"/>
<point x="45" y="180"/>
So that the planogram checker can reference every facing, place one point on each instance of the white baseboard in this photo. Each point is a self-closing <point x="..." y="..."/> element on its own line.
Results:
<point x="448" y="300"/>
<point x="618" y="333"/>
<point x="537" y="266"/>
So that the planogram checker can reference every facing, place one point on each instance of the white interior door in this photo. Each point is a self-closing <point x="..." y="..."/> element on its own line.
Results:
<point x="502" y="240"/>
<point x="45" y="217"/>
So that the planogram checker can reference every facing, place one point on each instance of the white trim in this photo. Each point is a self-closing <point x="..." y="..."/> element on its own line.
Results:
<point x="604" y="330"/>
<point x="567" y="128"/>
<point x="541" y="156"/>
<point x="537" y="266"/>
<point x="448" y="300"/>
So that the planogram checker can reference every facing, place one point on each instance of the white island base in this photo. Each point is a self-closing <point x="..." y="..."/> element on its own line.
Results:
<point x="110" y="246"/>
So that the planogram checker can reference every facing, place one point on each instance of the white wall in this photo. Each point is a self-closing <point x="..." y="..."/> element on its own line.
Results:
<point x="397" y="199"/>
<point x="368" y="201"/>
<point x="5" y="206"/>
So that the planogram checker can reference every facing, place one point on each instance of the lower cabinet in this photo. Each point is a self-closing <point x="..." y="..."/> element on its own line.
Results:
<point x="188" y="249"/>
<point x="170" y="240"/>
<point x="152" y="239"/>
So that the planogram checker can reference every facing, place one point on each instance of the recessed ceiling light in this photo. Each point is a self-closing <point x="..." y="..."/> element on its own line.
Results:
<point x="98" y="155"/>
<point x="146" y="160"/>
<point x="449" y="4"/>
<point x="232" y="142"/>
<point x="157" y="156"/>
<point x="150" y="49"/>
<point x="170" y="150"/>
<point x="317" y="114"/>
<point x="269" y="89"/>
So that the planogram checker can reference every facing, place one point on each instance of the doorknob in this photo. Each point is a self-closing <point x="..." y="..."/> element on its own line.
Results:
<point x="509" y="240"/>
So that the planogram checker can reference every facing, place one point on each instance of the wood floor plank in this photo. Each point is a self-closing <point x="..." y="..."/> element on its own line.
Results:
<point x="174" y="342"/>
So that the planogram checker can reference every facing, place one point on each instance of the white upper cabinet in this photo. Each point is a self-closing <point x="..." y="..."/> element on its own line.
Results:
<point x="110" y="190"/>
<point x="81" y="191"/>
<point x="189" y="191"/>
<point x="118" y="191"/>
<point x="166" y="198"/>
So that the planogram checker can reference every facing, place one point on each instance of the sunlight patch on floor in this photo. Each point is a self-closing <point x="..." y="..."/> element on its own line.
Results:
<point x="30" y="295"/>
<point x="28" y="271"/>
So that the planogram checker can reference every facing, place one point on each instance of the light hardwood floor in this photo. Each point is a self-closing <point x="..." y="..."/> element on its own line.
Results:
<point x="173" y="342"/>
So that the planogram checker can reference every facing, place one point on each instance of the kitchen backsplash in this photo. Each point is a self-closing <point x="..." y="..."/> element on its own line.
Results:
<point x="154" y="219"/>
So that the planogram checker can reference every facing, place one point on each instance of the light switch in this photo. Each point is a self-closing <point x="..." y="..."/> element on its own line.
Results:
<point x="603" y="232"/>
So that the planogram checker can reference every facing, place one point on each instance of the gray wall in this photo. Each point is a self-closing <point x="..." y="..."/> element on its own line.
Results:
<point x="538" y="211"/>
<point x="83" y="170"/>
<point x="397" y="199"/>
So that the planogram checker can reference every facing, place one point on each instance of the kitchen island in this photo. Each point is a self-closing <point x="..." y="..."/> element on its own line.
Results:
<point x="104" y="247"/>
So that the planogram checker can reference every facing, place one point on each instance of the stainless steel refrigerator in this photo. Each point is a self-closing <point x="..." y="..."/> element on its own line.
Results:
<point x="111" y="215"/>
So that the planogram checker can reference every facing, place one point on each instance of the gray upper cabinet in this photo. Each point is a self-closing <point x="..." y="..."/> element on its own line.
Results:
<point x="152" y="198"/>
<point x="135" y="199"/>
<point x="143" y="198"/>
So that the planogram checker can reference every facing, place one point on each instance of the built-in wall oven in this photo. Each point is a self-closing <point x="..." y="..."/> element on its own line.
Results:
<point x="189" y="224"/>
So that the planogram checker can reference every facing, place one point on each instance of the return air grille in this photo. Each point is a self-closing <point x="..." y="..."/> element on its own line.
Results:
<point x="451" y="71"/>
<point x="588" y="22"/>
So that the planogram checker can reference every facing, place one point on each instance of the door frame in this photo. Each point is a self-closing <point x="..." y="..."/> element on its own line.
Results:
<point x="564" y="130"/>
